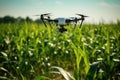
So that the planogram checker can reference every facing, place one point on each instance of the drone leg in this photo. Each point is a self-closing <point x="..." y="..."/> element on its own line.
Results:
<point x="81" y="23"/>
<point x="44" y="23"/>
<point x="50" y="24"/>
<point x="75" y="25"/>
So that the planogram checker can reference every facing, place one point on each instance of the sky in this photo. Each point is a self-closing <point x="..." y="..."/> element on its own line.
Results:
<point x="97" y="10"/>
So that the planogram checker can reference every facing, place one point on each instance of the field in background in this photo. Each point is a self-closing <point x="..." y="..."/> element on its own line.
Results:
<point x="29" y="50"/>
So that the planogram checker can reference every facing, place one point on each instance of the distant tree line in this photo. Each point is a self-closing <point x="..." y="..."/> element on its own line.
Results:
<point x="10" y="19"/>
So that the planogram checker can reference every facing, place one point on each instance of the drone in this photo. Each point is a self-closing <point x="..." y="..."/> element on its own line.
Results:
<point x="61" y="21"/>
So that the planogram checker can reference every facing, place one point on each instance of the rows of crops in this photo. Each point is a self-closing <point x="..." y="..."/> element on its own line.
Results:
<point x="29" y="50"/>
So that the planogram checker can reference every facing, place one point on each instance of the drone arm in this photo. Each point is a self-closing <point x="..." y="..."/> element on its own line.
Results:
<point x="68" y="21"/>
<point x="79" y="19"/>
<point x="49" y="21"/>
<point x="73" y="20"/>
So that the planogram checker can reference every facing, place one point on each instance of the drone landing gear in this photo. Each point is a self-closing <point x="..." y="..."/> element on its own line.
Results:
<point x="62" y="29"/>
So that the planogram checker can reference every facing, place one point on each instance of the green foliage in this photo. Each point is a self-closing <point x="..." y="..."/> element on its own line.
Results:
<point x="92" y="70"/>
<point x="28" y="50"/>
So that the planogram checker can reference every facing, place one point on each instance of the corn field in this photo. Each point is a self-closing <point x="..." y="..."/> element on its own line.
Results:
<point x="30" y="51"/>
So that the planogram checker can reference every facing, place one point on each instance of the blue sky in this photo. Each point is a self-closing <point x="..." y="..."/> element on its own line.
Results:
<point x="109" y="10"/>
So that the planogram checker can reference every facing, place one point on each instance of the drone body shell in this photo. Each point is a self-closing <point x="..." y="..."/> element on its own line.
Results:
<point x="61" y="21"/>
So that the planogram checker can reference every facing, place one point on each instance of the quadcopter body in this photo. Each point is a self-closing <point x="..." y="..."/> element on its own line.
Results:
<point x="61" y="21"/>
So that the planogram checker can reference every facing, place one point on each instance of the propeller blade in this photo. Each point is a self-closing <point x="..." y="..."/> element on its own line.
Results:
<point x="43" y="14"/>
<point x="46" y="14"/>
<point x="82" y="15"/>
<point x="36" y="15"/>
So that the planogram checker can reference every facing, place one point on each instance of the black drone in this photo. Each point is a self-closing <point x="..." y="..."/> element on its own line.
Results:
<point x="61" y="21"/>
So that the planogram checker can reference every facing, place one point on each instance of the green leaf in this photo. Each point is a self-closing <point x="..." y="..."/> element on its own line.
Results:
<point x="65" y="74"/>
<point x="42" y="78"/>
<point x="92" y="70"/>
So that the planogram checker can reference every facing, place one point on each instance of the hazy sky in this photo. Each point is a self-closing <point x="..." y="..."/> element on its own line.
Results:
<point x="109" y="10"/>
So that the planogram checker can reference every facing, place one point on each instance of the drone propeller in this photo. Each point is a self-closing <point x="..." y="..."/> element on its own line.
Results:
<point x="36" y="15"/>
<point x="42" y="17"/>
<point x="46" y="14"/>
<point x="82" y="15"/>
<point x="82" y="18"/>
<point x="43" y="14"/>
